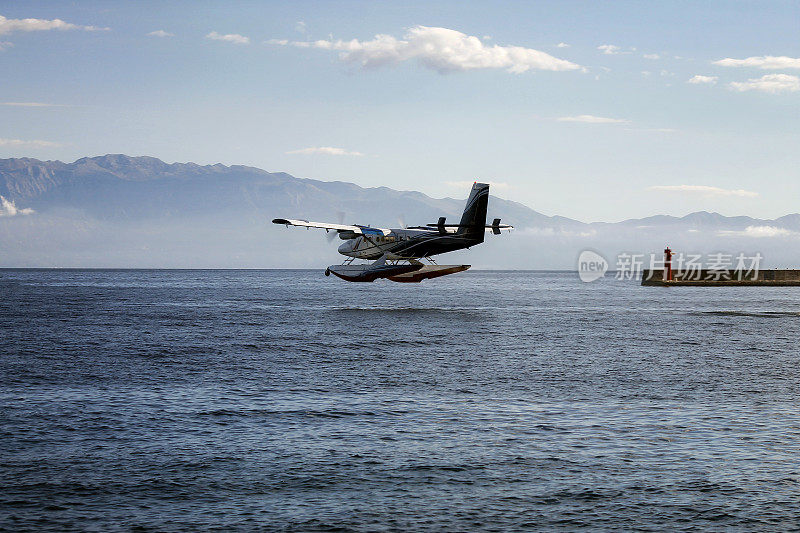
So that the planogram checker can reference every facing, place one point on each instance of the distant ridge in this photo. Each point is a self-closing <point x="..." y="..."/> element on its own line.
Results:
<point x="121" y="211"/>
<point x="108" y="185"/>
<point x="117" y="185"/>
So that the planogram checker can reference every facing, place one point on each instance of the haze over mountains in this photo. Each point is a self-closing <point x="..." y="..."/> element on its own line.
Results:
<point x="121" y="211"/>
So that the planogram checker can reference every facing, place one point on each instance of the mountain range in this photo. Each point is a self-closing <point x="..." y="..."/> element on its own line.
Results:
<point x="121" y="211"/>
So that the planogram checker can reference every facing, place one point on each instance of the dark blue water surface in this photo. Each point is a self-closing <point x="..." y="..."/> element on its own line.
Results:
<point x="284" y="400"/>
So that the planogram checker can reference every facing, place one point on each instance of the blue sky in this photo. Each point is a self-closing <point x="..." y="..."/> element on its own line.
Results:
<point x="606" y="126"/>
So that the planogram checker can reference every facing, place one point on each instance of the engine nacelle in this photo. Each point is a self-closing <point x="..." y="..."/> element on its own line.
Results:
<point x="347" y="235"/>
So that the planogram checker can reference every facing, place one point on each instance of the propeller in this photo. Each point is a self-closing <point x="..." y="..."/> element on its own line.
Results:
<point x="332" y="233"/>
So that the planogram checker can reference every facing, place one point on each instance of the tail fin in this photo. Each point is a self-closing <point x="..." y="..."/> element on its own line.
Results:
<point x="473" y="221"/>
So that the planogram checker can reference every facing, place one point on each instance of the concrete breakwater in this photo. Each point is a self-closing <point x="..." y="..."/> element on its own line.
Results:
<point x="707" y="277"/>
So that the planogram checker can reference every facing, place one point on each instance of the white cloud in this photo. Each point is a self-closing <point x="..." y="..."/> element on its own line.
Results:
<point x="758" y="232"/>
<point x="440" y="49"/>
<point x="161" y="33"/>
<point x="762" y="62"/>
<point x="467" y="184"/>
<point x="609" y="49"/>
<point x="29" y="144"/>
<point x="31" y="104"/>
<point x="11" y="25"/>
<point x="704" y="190"/>
<point x="591" y="119"/>
<point x="698" y="79"/>
<point x="651" y="56"/>
<point x="327" y="150"/>
<point x="280" y="42"/>
<point x="300" y="27"/>
<point x="9" y="209"/>
<point x="234" y="38"/>
<point x="769" y="83"/>
<point x="562" y="45"/>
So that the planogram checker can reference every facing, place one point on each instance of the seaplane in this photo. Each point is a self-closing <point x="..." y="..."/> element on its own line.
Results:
<point x="405" y="255"/>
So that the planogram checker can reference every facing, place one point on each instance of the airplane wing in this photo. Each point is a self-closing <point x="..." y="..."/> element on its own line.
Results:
<point x="355" y="228"/>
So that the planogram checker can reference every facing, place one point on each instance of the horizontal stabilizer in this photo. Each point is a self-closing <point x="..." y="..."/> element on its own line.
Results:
<point x="444" y="228"/>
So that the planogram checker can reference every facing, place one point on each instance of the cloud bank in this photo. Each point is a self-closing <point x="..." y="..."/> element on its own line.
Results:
<point x="234" y="38"/>
<point x="769" y="83"/>
<point x="704" y="190"/>
<point x="326" y="150"/>
<point x="758" y="232"/>
<point x="441" y="49"/>
<point x="8" y="209"/>
<point x="762" y="62"/>
<point x="11" y="25"/>
<point x="161" y="33"/>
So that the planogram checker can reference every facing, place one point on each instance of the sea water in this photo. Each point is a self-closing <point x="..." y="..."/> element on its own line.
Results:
<point x="284" y="400"/>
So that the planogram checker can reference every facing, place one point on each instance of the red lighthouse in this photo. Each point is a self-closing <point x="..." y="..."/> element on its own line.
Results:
<point x="667" y="264"/>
